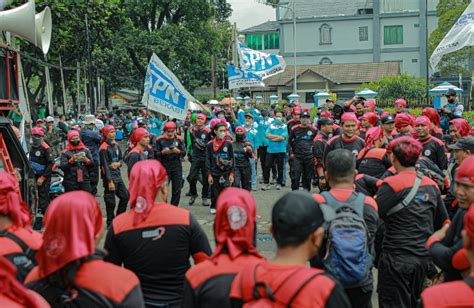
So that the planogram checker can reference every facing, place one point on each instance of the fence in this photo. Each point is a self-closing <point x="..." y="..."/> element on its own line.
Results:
<point x="421" y="102"/>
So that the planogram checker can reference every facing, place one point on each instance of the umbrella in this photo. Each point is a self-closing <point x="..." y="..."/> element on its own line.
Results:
<point x="367" y="93"/>
<point x="443" y="87"/>
<point x="227" y="100"/>
<point x="213" y="102"/>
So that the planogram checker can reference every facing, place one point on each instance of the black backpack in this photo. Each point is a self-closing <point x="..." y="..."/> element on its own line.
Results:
<point x="24" y="262"/>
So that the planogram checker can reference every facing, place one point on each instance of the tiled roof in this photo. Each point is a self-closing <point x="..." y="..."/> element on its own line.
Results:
<point x="267" y="26"/>
<point x="339" y="73"/>
<point x="318" y="8"/>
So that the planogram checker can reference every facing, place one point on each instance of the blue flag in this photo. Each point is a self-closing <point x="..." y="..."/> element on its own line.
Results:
<point x="239" y="78"/>
<point x="259" y="63"/>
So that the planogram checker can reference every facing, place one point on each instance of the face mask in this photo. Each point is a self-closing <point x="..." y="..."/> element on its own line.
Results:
<point x="304" y="121"/>
<point x="220" y="135"/>
<point x="36" y="141"/>
<point x="277" y="121"/>
<point x="240" y="137"/>
<point x="75" y="142"/>
<point x="249" y="122"/>
<point x="220" y="116"/>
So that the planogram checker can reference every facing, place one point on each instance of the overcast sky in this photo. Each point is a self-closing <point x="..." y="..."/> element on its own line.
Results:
<point x="248" y="13"/>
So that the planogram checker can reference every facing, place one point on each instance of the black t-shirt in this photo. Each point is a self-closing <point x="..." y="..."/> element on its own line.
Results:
<point x="158" y="249"/>
<point x="433" y="148"/>
<point x="301" y="141"/>
<point x="354" y="145"/>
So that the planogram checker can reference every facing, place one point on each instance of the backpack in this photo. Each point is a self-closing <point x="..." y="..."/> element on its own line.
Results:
<point x="24" y="264"/>
<point x="261" y="296"/>
<point x="347" y="253"/>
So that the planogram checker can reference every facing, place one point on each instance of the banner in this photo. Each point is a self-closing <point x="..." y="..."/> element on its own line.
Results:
<point x="259" y="63"/>
<point x="163" y="92"/>
<point x="460" y="35"/>
<point x="239" y="78"/>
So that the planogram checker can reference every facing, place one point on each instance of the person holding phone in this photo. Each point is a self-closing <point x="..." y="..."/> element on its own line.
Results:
<point x="76" y="163"/>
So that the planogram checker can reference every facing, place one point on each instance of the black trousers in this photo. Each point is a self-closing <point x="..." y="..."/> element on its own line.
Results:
<point x="94" y="177"/>
<point x="274" y="160"/>
<point x="400" y="280"/>
<point x="43" y="194"/>
<point x="262" y="154"/>
<point x="302" y="170"/>
<point x="243" y="177"/>
<point x="217" y="187"/>
<point x="198" y="166"/>
<point x="175" y="177"/>
<point x="109" y="198"/>
<point x="360" y="297"/>
<point x="84" y="186"/>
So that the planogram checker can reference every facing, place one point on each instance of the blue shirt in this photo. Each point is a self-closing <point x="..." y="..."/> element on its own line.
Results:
<point x="277" y="146"/>
<point x="252" y="135"/>
<point x="154" y="126"/>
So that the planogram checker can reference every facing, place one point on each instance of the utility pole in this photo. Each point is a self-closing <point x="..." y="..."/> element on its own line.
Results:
<point x="234" y="52"/>
<point x="295" y="86"/>
<point x="214" y="77"/>
<point x="91" y="68"/>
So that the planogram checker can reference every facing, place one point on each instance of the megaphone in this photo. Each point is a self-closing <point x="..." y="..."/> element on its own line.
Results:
<point x="23" y="22"/>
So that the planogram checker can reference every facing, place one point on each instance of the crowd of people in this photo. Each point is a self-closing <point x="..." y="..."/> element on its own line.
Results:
<point x="391" y="191"/>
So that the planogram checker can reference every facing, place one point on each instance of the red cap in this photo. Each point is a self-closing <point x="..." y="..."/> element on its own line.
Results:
<point x="462" y="126"/>
<point x="465" y="171"/>
<point x="403" y="120"/>
<point x="422" y="120"/>
<point x="370" y="117"/>
<point x="170" y="125"/>
<point x="373" y="134"/>
<point x="107" y="130"/>
<point x="402" y="102"/>
<point x="138" y="134"/>
<point x="326" y="114"/>
<point x="349" y="116"/>
<point x="37" y="131"/>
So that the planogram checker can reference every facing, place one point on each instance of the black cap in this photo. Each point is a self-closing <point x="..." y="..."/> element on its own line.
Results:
<point x="388" y="119"/>
<point x="464" y="143"/>
<point x="248" y="114"/>
<point x="329" y="100"/>
<point x="450" y="92"/>
<point x="325" y="121"/>
<point x="306" y="114"/>
<point x="297" y="214"/>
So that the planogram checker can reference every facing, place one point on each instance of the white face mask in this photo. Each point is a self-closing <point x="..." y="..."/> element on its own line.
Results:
<point x="220" y="116"/>
<point x="220" y="135"/>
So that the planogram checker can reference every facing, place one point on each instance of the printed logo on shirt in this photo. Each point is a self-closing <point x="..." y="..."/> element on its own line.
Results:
<point x="54" y="245"/>
<point x="355" y="152"/>
<point x="237" y="217"/>
<point x="203" y="136"/>
<point x="38" y="153"/>
<point x="154" y="234"/>
<point x="427" y="153"/>
<point x="309" y="133"/>
<point x="224" y="149"/>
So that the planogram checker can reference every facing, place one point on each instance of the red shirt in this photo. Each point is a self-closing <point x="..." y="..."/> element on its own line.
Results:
<point x="451" y="294"/>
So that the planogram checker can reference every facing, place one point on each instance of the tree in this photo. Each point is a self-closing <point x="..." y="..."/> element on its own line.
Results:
<point x="448" y="12"/>
<point x="393" y="87"/>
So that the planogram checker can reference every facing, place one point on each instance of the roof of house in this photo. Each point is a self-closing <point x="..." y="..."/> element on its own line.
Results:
<point x="267" y="26"/>
<point x="319" y="8"/>
<point x="339" y="73"/>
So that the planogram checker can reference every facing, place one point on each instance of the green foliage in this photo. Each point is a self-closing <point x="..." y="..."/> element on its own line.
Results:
<point x="448" y="12"/>
<point x="393" y="87"/>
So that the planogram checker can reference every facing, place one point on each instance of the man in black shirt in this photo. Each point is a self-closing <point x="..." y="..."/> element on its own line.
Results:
<point x="433" y="148"/>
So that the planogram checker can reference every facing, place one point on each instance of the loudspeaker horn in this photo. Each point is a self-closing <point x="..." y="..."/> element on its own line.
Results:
<point x="23" y="22"/>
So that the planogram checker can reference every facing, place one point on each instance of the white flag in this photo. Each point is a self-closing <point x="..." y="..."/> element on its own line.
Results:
<point x="260" y="63"/>
<point x="239" y="78"/>
<point x="460" y="35"/>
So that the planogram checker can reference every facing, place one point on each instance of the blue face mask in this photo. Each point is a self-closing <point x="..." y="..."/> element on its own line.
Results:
<point x="277" y="121"/>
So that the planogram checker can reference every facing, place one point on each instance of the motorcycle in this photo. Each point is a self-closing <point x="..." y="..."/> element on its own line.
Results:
<point x="56" y="188"/>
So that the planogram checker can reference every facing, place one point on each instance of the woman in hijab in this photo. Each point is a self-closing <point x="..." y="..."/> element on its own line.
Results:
<point x="70" y="271"/>
<point x="18" y="242"/>
<point x="140" y="142"/>
<point x="76" y="163"/>
<point x="208" y="284"/>
<point x="373" y="159"/>
<point x="155" y="239"/>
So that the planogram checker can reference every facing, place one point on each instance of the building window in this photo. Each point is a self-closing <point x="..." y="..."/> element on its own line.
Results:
<point x="363" y="34"/>
<point x="393" y="35"/>
<point x="325" y="35"/>
<point x="271" y="40"/>
<point x="325" y="60"/>
<point x="254" y="41"/>
<point x="414" y="60"/>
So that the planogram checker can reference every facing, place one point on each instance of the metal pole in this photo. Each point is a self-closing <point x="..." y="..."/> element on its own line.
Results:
<point x="91" y="72"/>
<point x="427" y="56"/>
<point x="234" y="53"/>
<point x="63" y="85"/>
<point x="78" y="81"/>
<point x="295" y="87"/>
<point x="214" y="77"/>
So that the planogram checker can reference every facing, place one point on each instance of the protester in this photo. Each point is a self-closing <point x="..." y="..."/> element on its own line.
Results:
<point x="405" y="263"/>
<point x="76" y="163"/>
<point x="445" y="244"/>
<point x="110" y="163"/>
<point x="297" y="227"/>
<point x="52" y="136"/>
<point x="243" y="155"/>
<point x="140" y="141"/>
<point x="219" y="163"/>
<point x="433" y="148"/>
<point x="18" y="242"/>
<point x="458" y="128"/>
<point x="169" y="151"/>
<point x="454" y="109"/>
<point x="435" y="119"/>
<point x="388" y="125"/>
<point x="400" y="107"/>
<point x="372" y="160"/>
<point x="325" y="131"/>
<point x="368" y="120"/>
<point x="251" y="128"/>
<point x="42" y="161"/>
<point x="200" y="137"/>
<point x="208" y="283"/>
<point x="154" y="239"/>
<point x="403" y="125"/>
<point x="70" y="271"/>
<point x="277" y="137"/>
<point x="458" y="293"/>
<point x="349" y="139"/>
<point x="92" y="139"/>
<point x="301" y="145"/>
<point x="352" y="265"/>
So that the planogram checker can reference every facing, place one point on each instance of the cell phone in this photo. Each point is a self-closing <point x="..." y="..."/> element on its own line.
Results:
<point x="81" y="154"/>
